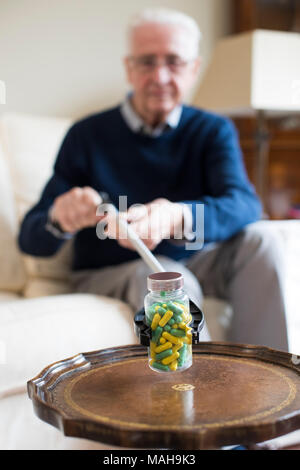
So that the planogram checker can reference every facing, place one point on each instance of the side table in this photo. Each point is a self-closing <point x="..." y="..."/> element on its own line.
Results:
<point x="232" y="394"/>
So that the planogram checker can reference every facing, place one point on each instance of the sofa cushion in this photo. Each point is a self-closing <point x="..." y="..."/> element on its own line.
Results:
<point x="290" y="231"/>
<point x="6" y="296"/>
<point x="31" y="144"/>
<point x="45" y="287"/>
<point x="12" y="272"/>
<point x="37" y="332"/>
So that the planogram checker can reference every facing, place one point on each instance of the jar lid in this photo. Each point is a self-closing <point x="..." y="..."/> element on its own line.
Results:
<point x="165" y="281"/>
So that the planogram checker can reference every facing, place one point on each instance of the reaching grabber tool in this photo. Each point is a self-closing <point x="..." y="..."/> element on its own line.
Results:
<point x="170" y="321"/>
<point x="138" y="244"/>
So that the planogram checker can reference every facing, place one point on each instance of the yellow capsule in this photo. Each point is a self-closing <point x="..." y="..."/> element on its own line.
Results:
<point x="155" y="321"/>
<point x="162" y="340"/>
<point x="187" y="339"/>
<point x="157" y="307"/>
<point x="164" y="305"/>
<point x="163" y="347"/>
<point x="175" y="325"/>
<point x="171" y="338"/>
<point x="177" y="346"/>
<point x="184" y="317"/>
<point x="169" y="359"/>
<point x="187" y="329"/>
<point x="189" y="335"/>
<point x="182" y="326"/>
<point x="151" y="362"/>
<point x="173" y="365"/>
<point x="152" y="347"/>
<point x="167" y="316"/>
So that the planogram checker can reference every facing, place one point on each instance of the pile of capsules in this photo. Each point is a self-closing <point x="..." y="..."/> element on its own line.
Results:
<point x="171" y="337"/>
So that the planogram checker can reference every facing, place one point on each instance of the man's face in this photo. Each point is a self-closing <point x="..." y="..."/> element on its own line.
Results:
<point x="159" y="69"/>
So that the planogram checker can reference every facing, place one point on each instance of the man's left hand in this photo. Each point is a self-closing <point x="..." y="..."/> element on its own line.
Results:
<point x="153" y="222"/>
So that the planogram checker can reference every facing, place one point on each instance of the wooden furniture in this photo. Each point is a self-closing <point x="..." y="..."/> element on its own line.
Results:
<point x="283" y="166"/>
<point x="283" y="169"/>
<point x="283" y="15"/>
<point x="232" y="394"/>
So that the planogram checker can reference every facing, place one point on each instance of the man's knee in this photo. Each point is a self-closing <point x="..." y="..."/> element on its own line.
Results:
<point x="263" y="237"/>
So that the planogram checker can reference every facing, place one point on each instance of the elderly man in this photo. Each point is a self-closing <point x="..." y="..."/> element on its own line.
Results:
<point x="173" y="159"/>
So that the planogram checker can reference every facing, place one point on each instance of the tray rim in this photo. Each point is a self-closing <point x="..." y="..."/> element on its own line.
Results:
<point x="198" y="439"/>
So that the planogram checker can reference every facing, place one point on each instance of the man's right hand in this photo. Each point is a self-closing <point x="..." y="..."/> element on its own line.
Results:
<point x="76" y="209"/>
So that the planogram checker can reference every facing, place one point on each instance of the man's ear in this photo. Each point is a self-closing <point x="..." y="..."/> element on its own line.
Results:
<point x="197" y="65"/>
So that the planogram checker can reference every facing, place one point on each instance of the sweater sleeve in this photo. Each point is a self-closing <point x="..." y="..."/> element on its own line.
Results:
<point x="230" y="201"/>
<point x="69" y="169"/>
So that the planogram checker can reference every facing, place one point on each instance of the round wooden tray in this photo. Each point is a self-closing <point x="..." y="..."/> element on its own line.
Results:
<point x="232" y="394"/>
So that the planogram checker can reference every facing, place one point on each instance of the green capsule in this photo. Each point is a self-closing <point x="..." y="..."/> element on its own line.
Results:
<point x="157" y="334"/>
<point x="149" y="317"/>
<point x="171" y="321"/>
<point x="175" y="309"/>
<point x="167" y="328"/>
<point x="177" y="318"/>
<point x="156" y="304"/>
<point x="163" y="354"/>
<point x="152" y="311"/>
<point x="157" y="365"/>
<point x="177" y="332"/>
<point x="161" y="311"/>
<point x="182" y="355"/>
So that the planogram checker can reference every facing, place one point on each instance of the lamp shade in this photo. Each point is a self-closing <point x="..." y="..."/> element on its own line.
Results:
<point x="258" y="70"/>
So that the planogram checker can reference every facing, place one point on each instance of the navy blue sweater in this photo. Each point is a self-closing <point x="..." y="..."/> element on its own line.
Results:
<point x="199" y="161"/>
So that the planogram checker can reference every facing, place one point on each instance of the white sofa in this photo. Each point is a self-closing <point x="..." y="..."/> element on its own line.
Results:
<point x="41" y="320"/>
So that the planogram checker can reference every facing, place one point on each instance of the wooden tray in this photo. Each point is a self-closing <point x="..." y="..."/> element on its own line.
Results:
<point x="232" y="394"/>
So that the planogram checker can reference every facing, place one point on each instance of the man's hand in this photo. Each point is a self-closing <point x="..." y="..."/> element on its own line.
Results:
<point x="76" y="209"/>
<point x="152" y="222"/>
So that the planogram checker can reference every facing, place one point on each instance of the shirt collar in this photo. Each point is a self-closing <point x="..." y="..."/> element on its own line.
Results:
<point x="136" y="123"/>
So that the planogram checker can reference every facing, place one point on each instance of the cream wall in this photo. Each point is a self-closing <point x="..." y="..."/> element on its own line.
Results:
<point x="64" y="57"/>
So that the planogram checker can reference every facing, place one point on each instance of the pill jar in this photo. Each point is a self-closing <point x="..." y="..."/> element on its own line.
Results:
<point x="167" y="313"/>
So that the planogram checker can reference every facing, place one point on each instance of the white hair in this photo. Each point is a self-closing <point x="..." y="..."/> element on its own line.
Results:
<point x="169" y="17"/>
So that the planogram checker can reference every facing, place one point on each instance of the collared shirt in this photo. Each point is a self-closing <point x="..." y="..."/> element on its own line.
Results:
<point x="136" y="123"/>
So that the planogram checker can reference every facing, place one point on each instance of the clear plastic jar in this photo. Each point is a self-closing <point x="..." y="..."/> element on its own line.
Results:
<point x="168" y="315"/>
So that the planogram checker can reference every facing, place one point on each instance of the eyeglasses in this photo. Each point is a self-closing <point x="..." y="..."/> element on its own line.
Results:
<point x="148" y="63"/>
